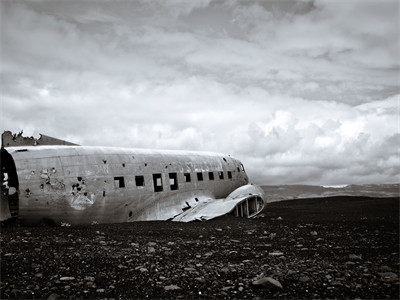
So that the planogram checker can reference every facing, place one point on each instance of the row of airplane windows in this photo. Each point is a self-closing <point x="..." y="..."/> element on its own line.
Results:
<point x="173" y="179"/>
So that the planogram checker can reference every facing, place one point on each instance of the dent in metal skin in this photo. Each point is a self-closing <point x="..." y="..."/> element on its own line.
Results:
<point x="82" y="185"/>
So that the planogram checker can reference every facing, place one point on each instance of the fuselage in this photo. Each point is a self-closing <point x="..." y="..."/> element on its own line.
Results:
<point x="83" y="185"/>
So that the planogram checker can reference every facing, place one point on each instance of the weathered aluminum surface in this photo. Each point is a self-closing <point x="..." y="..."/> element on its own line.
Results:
<point x="82" y="185"/>
<point x="212" y="208"/>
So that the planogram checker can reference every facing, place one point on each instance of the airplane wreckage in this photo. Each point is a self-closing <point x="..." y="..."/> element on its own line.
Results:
<point x="52" y="180"/>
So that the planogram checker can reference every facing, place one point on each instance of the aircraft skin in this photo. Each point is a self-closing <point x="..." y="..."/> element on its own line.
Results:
<point x="87" y="185"/>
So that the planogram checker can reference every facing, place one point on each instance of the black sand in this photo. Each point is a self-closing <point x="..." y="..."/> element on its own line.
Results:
<point x="340" y="247"/>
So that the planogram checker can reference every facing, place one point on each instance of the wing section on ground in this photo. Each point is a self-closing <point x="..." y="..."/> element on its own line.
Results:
<point x="245" y="201"/>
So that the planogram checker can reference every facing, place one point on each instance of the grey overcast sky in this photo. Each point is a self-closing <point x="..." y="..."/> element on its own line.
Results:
<point x="299" y="91"/>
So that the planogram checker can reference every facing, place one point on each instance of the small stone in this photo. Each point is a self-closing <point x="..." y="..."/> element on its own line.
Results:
<point x="151" y="244"/>
<point x="389" y="276"/>
<point x="314" y="233"/>
<point x="276" y="253"/>
<point x="304" y="279"/>
<point x="201" y="279"/>
<point x="53" y="296"/>
<point x="100" y="290"/>
<point x="385" y="269"/>
<point x="171" y="287"/>
<point x="151" y="250"/>
<point x="89" y="278"/>
<point x="225" y="270"/>
<point x="67" y="278"/>
<point x="354" y="257"/>
<point x="267" y="282"/>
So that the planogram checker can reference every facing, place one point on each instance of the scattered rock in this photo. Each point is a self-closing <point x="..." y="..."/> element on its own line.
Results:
<point x="389" y="276"/>
<point x="355" y="257"/>
<point x="89" y="278"/>
<point x="171" y="287"/>
<point x="73" y="263"/>
<point x="276" y="253"/>
<point x="267" y="282"/>
<point x="67" y="278"/>
<point x="385" y="269"/>
<point x="53" y="297"/>
<point x="304" y="279"/>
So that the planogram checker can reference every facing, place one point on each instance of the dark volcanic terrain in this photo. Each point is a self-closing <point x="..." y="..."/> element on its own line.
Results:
<point x="340" y="247"/>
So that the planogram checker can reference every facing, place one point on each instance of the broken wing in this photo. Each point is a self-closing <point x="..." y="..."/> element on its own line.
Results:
<point x="245" y="201"/>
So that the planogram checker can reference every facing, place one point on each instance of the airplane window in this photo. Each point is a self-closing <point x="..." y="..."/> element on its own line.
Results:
<point x="229" y="174"/>
<point x="157" y="182"/>
<point x="139" y="180"/>
<point x="173" y="182"/>
<point x="221" y="175"/>
<point x="119" y="182"/>
<point x="186" y="176"/>
<point x="199" y="176"/>
<point x="211" y="175"/>
<point x="242" y="167"/>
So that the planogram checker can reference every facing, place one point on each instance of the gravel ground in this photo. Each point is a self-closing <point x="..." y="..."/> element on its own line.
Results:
<point x="340" y="247"/>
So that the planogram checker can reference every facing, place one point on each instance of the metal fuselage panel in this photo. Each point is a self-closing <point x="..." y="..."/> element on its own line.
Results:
<point x="81" y="185"/>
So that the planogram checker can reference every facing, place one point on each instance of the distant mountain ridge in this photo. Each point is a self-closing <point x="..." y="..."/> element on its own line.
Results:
<point x="287" y="192"/>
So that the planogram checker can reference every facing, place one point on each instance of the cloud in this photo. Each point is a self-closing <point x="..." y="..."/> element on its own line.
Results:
<point x="301" y="92"/>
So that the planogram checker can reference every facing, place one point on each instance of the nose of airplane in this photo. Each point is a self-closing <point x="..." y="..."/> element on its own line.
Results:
<point x="245" y="178"/>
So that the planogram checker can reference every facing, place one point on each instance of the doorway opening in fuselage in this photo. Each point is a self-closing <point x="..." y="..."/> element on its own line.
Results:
<point x="9" y="187"/>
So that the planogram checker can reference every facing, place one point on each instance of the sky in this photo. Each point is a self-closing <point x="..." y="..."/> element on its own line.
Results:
<point x="302" y="92"/>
